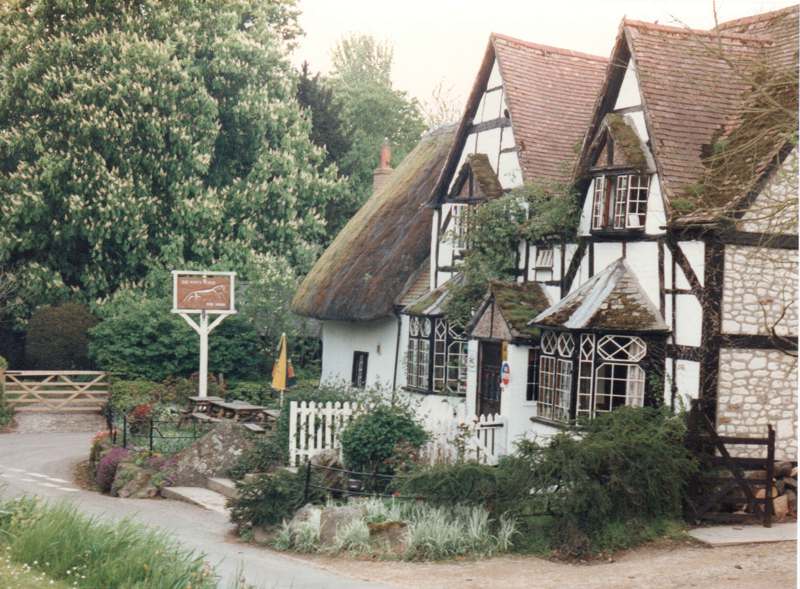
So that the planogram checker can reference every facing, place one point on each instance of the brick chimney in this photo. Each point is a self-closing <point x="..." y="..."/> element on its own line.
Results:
<point x="384" y="169"/>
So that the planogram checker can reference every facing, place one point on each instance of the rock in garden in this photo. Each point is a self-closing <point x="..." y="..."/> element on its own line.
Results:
<point x="392" y="536"/>
<point x="330" y="468"/>
<point x="303" y="515"/>
<point x="334" y="517"/>
<point x="132" y="481"/>
<point x="211" y="455"/>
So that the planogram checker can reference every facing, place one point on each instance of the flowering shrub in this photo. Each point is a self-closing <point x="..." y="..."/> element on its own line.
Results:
<point x="100" y="442"/>
<point x="107" y="468"/>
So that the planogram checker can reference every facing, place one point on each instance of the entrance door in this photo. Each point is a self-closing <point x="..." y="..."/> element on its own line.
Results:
<point x="489" y="378"/>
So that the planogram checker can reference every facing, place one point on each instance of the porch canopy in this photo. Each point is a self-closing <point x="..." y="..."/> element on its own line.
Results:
<point x="505" y="312"/>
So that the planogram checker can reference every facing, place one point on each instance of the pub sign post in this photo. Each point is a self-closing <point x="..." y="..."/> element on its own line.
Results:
<point x="203" y="294"/>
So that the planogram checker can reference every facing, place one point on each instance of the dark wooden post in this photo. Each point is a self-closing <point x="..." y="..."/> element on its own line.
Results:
<point x="769" y="508"/>
<point x="150" y="435"/>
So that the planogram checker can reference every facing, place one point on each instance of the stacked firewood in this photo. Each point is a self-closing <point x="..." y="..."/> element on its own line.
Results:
<point x="784" y="490"/>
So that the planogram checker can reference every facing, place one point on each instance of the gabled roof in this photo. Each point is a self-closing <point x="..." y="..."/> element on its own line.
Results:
<point x="629" y="150"/>
<point x="367" y="267"/>
<point x="487" y="184"/>
<point x="693" y="86"/>
<point x="507" y="309"/>
<point x="612" y="300"/>
<point x="549" y="93"/>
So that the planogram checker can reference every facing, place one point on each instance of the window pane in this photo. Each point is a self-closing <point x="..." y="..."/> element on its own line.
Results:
<point x="599" y="202"/>
<point x="620" y="201"/>
<point x="637" y="201"/>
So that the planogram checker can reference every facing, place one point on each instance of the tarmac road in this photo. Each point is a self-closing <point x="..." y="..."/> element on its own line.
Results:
<point x="43" y="463"/>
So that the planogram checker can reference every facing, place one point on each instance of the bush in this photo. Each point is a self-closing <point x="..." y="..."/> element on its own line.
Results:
<point x="58" y="338"/>
<point x="267" y="500"/>
<point x="87" y="553"/>
<point x="140" y="338"/>
<point x="127" y="394"/>
<point x="467" y="483"/>
<point x="257" y="393"/>
<point x="107" y="467"/>
<point x="373" y="442"/>
<point x="626" y="466"/>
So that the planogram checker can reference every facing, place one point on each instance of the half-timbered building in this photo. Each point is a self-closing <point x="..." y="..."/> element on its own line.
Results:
<point x="682" y="283"/>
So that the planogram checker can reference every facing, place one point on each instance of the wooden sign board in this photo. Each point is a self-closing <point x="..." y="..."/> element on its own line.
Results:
<point x="195" y="292"/>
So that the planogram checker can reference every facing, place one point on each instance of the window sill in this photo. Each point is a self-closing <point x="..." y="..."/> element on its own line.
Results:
<point x="616" y="232"/>
<point x="409" y="389"/>
<point x="550" y="422"/>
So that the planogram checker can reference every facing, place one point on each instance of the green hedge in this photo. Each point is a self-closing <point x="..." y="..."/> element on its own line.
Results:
<point x="58" y="338"/>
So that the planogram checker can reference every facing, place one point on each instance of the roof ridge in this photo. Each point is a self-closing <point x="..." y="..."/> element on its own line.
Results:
<point x="754" y="18"/>
<point x="640" y="24"/>
<point x="548" y="48"/>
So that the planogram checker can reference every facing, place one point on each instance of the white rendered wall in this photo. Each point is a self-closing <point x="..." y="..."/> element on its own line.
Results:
<point x="629" y="89"/>
<point x="340" y="339"/>
<point x="513" y="405"/>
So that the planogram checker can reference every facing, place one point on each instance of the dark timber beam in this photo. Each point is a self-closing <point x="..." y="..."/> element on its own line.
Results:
<point x="683" y="263"/>
<point x="493" y="124"/>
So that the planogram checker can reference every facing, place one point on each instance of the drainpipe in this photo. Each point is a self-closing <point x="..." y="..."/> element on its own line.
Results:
<point x="396" y="355"/>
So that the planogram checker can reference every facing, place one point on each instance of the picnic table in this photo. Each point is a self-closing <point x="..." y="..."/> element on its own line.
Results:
<point x="201" y="404"/>
<point x="237" y="410"/>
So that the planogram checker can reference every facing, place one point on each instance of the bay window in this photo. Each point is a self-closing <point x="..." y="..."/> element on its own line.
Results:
<point x="607" y="368"/>
<point x="620" y="202"/>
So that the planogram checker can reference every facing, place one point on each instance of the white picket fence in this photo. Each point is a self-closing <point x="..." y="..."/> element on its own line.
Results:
<point x="314" y="427"/>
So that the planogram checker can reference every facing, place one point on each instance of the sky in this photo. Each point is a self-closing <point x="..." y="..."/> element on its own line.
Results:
<point x="441" y="42"/>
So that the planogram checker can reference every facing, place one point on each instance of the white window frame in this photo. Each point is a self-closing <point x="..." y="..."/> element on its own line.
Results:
<point x="627" y="196"/>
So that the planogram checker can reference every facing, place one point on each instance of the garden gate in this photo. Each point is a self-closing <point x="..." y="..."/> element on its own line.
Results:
<point x="55" y="390"/>
<point x="721" y="481"/>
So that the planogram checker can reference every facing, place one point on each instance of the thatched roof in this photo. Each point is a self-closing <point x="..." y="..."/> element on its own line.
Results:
<point x="367" y="267"/>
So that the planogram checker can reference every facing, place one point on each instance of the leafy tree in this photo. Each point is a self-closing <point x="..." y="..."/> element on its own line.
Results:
<point x="314" y="93"/>
<point x="144" y="134"/>
<point x="372" y="111"/>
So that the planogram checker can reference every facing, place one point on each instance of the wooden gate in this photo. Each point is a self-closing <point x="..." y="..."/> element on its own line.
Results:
<point x="721" y="491"/>
<point x="56" y="390"/>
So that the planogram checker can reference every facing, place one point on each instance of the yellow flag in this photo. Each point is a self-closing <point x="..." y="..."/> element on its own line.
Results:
<point x="280" y="368"/>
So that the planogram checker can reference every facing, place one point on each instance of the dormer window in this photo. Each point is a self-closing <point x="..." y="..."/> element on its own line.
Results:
<point x="620" y="202"/>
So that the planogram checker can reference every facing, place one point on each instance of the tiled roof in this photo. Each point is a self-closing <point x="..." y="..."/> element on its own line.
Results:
<point x="550" y="93"/>
<point x="694" y="84"/>
<point x="688" y="93"/>
<point x="612" y="300"/>
<point x="418" y="284"/>
<point x="368" y="266"/>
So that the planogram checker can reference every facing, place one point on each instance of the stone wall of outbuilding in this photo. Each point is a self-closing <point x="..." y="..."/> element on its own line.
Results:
<point x="756" y="388"/>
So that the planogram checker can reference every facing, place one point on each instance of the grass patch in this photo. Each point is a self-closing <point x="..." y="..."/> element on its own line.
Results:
<point x="88" y="553"/>
<point x="24" y="577"/>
